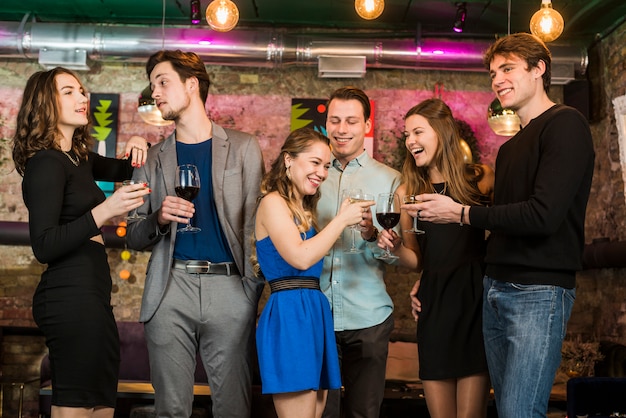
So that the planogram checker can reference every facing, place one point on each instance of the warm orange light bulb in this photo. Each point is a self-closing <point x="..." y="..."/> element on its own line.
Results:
<point x="369" y="9"/>
<point x="222" y="15"/>
<point x="546" y="23"/>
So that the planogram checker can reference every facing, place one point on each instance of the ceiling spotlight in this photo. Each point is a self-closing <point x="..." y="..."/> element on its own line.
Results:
<point x="369" y="9"/>
<point x="196" y="17"/>
<point x="502" y="121"/>
<point x="461" y="14"/>
<point x="546" y="23"/>
<point x="222" y="15"/>
<point x="148" y="111"/>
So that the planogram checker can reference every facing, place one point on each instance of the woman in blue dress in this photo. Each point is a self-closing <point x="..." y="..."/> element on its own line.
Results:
<point x="295" y="338"/>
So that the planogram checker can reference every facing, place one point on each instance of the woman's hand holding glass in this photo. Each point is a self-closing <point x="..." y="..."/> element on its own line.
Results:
<point x="362" y="201"/>
<point x="127" y="198"/>
<point x="138" y="185"/>
<point x="411" y="200"/>
<point x="388" y="216"/>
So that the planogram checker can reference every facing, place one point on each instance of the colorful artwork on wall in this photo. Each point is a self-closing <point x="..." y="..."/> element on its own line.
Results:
<point x="312" y="112"/>
<point x="104" y="109"/>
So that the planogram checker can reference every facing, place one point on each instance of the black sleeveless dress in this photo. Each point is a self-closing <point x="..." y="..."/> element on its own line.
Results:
<point x="449" y="328"/>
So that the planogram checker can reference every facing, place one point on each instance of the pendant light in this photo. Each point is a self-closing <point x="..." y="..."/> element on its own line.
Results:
<point x="504" y="122"/>
<point x="148" y="111"/>
<point x="369" y="9"/>
<point x="222" y="15"/>
<point x="546" y="23"/>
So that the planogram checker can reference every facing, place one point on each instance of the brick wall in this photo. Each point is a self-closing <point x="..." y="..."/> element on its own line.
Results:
<point x="263" y="109"/>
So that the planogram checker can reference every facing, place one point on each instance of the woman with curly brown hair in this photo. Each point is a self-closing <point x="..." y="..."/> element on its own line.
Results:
<point x="447" y="300"/>
<point x="66" y="209"/>
<point x="295" y="338"/>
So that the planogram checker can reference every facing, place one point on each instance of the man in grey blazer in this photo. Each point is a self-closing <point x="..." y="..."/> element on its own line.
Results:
<point x="200" y="293"/>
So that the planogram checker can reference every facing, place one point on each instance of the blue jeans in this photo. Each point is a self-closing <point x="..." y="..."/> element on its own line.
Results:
<point x="523" y="328"/>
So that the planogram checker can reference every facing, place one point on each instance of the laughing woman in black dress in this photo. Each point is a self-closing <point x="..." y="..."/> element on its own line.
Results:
<point x="72" y="304"/>
<point x="447" y="300"/>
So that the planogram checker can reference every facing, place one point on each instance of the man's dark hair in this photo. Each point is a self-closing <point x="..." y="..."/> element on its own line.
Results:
<point x="353" y="93"/>
<point x="186" y="64"/>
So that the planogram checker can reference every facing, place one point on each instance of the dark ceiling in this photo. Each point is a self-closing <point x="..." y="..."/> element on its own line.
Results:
<point x="585" y="20"/>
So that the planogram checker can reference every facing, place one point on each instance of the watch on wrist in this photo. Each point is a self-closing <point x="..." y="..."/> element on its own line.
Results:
<point x="374" y="236"/>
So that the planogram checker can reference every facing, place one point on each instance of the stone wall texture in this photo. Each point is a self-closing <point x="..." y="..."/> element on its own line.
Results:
<point x="263" y="109"/>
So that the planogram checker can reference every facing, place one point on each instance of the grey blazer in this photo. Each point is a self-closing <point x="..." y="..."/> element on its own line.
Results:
<point x="236" y="175"/>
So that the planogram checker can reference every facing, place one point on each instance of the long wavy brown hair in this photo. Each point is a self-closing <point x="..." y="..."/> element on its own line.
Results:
<point x="38" y="118"/>
<point x="461" y="178"/>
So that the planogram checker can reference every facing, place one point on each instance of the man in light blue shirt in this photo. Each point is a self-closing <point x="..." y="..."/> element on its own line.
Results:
<point x="353" y="282"/>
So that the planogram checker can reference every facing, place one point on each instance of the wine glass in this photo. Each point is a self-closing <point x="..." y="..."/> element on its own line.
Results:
<point x="354" y="195"/>
<point x="408" y="200"/>
<point x="388" y="216"/>
<point x="133" y="215"/>
<point x="187" y="187"/>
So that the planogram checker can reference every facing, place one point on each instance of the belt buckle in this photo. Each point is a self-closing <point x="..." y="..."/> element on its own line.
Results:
<point x="197" y="267"/>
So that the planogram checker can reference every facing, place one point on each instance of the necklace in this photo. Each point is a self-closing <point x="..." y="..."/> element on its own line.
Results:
<point x="74" y="161"/>
<point x="439" y="185"/>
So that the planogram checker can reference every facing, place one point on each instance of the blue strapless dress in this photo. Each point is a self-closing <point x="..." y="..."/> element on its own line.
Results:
<point x="295" y="336"/>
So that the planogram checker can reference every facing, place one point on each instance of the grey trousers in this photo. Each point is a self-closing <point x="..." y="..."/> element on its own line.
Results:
<point x="211" y="314"/>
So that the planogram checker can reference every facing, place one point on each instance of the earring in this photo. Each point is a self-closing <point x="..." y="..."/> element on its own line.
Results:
<point x="288" y="172"/>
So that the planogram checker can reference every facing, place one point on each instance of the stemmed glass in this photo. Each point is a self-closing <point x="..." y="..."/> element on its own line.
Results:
<point x="187" y="187"/>
<point x="133" y="215"/>
<point x="408" y="200"/>
<point x="355" y="195"/>
<point x="388" y="216"/>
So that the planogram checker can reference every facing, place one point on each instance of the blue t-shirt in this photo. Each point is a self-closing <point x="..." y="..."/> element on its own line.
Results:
<point x="210" y="243"/>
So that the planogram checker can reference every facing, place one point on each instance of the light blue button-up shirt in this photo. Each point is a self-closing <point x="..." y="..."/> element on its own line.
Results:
<point x="354" y="283"/>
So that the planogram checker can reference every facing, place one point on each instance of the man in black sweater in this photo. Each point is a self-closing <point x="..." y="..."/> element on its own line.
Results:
<point x="543" y="178"/>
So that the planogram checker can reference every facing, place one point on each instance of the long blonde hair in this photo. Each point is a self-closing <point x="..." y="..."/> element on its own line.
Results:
<point x="461" y="178"/>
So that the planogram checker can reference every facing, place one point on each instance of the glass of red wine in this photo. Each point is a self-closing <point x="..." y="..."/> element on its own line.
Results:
<point x="388" y="216"/>
<point x="187" y="187"/>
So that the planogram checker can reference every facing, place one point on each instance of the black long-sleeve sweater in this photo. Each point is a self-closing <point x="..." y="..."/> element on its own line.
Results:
<point x="543" y="179"/>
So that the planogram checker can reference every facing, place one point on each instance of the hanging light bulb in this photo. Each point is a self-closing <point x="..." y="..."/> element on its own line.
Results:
<point x="546" y="23"/>
<point x="369" y="9"/>
<point x="222" y="15"/>
<point x="148" y="111"/>
<point x="502" y="121"/>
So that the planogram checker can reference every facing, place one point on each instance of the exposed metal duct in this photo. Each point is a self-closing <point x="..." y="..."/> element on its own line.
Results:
<point x="256" y="48"/>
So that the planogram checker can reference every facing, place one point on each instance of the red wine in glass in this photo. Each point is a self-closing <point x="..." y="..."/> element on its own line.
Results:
<point x="187" y="187"/>
<point x="388" y="220"/>
<point x="388" y="216"/>
<point x="188" y="193"/>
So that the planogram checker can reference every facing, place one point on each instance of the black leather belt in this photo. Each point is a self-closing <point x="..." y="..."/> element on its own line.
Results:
<point x="290" y="283"/>
<point x="205" y="267"/>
